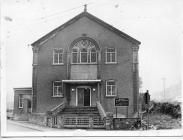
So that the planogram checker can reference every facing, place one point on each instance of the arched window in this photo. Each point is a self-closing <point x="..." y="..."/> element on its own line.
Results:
<point x="75" y="56"/>
<point x="83" y="55"/>
<point x="93" y="55"/>
<point x="84" y="51"/>
<point x="110" y="55"/>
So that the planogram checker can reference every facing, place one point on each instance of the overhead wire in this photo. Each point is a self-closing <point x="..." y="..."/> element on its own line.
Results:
<point x="60" y="13"/>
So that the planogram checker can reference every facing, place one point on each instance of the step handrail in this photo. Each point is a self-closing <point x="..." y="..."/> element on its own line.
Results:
<point x="58" y="108"/>
<point x="101" y="110"/>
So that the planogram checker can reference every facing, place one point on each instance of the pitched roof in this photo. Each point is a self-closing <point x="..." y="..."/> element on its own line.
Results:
<point x="92" y="17"/>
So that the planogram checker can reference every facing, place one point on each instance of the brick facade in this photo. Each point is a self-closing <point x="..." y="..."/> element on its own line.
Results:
<point x="44" y="72"/>
<point x="87" y="78"/>
<point x="21" y="112"/>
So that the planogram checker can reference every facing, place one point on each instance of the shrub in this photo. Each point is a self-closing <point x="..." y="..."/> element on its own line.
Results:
<point x="167" y="108"/>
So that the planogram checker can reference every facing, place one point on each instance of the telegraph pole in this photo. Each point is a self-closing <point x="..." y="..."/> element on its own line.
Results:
<point x="164" y="82"/>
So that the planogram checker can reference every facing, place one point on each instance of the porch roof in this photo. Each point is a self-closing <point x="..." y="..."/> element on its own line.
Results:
<point x="81" y="81"/>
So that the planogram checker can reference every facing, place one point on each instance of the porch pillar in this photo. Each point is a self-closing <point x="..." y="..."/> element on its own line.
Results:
<point x="98" y="92"/>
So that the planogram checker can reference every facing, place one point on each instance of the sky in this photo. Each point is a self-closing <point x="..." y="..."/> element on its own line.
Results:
<point x="155" y="23"/>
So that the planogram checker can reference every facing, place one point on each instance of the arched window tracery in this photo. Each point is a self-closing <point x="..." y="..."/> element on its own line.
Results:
<point x="84" y="51"/>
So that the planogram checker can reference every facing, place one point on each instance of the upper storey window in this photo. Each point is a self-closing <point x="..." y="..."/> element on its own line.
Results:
<point x="83" y="55"/>
<point x="75" y="57"/>
<point x="84" y="52"/>
<point x="58" y="56"/>
<point x="93" y="55"/>
<point x="110" y="55"/>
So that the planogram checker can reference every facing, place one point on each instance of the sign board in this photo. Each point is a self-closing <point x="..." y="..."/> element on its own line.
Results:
<point x="121" y="102"/>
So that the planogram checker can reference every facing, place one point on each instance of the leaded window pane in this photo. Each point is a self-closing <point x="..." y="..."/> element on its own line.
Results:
<point x="59" y="92"/>
<point x="60" y="58"/>
<point x="111" y="88"/>
<point x="57" y="87"/>
<point x="55" y="58"/>
<point x="86" y="50"/>
<point x="55" y="90"/>
<point x="110" y="50"/>
<point x="110" y="83"/>
<point x="108" y="57"/>
<point x="74" y="57"/>
<point x="113" y="57"/>
<point x="57" y="84"/>
<point x="108" y="90"/>
<point x="93" y="55"/>
<point x="84" y="55"/>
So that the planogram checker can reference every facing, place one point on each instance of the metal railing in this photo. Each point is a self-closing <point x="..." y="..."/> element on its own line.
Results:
<point x="83" y="122"/>
<point x="57" y="109"/>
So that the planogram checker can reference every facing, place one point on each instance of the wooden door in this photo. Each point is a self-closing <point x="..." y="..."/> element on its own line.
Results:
<point x="87" y="97"/>
<point x="80" y="96"/>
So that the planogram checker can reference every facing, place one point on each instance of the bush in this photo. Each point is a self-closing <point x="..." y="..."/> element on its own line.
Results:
<point x="168" y="109"/>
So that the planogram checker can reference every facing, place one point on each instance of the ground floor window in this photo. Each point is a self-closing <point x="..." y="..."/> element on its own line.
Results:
<point x="20" y="101"/>
<point x="57" y="89"/>
<point x="110" y="88"/>
<point x="55" y="120"/>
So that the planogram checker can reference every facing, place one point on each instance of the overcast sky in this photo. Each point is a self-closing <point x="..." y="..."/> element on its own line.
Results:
<point x="156" y="23"/>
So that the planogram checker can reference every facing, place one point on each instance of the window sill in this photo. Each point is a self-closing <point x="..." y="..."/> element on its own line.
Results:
<point x="58" y="64"/>
<point x="57" y="96"/>
<point x="83" y="63"/>
<point x="110" y="62"/>
<point x="110" y="96"/>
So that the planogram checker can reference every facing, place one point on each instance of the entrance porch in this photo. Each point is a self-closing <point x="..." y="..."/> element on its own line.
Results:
<point x="81" y="93"/>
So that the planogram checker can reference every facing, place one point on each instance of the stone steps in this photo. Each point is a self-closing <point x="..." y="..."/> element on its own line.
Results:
<point x="85" y="111"/>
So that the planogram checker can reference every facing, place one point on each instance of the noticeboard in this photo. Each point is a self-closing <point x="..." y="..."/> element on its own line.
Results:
<point x="121" y="102"/>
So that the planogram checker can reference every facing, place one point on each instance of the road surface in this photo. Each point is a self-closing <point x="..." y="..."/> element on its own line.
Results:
<point x="14" y="127"/>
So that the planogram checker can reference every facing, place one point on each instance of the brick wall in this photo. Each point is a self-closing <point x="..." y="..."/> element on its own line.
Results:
<point x="121" y="72"/>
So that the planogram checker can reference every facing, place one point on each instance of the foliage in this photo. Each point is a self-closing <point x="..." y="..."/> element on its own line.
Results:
<point x="174" y="110"/>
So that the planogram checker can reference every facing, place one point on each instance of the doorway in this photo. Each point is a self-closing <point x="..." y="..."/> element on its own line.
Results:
<point x="83" y="96"/>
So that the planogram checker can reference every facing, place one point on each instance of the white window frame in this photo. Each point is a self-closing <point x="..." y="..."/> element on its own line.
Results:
<point x="90" y="56"/>
<point x="55" y="120"/>
<point x="111" y="95"/>
<point x="57" y="89"/>
<point x="86" y="56"/>
<point x="58" y="56"/>
<point x="106" y="52"/>
<point x="78" y="53"/>
<point x="21" y="99"/>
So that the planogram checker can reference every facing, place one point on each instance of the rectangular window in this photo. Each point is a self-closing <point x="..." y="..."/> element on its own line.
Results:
<point x="58" y="56"/>
<point x="93" y="57"/>
<point x="110" y="88"/>
<point x="55" y="120"/>
<point x="84" y="56"/>
<point x="111" y="55"/>
<point x="74" y="57"/>
<point x="57" y="89"/>
<point x="20" y="101"/>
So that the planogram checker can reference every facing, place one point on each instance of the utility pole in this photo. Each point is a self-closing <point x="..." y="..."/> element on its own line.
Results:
<point x="164" y="82"/>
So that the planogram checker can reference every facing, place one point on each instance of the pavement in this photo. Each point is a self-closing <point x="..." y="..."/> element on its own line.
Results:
<point x="21" y="125"/>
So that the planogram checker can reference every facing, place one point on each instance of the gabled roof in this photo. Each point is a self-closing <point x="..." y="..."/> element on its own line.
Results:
<point x="90" y="16"/>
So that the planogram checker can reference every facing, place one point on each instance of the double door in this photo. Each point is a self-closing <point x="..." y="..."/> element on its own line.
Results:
<point x="83" y="96"/>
